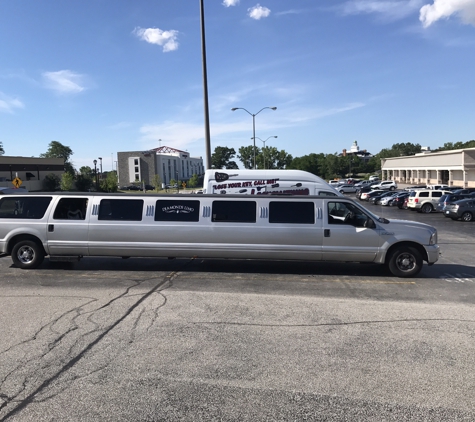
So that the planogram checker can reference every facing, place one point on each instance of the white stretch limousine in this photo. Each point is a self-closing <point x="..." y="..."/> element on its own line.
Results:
<point x="308" y="228"/>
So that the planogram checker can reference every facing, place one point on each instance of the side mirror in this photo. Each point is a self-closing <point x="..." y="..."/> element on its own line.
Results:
<point x="369" y="224"/>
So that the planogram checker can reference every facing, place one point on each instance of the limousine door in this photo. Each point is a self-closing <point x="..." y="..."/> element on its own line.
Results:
<point x="346" y="236"/>
<point x="67" y="229"/>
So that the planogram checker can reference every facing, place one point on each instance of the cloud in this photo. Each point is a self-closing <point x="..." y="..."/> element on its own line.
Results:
<point x="443" y="9"/>
<point x="388" y="9"/>
<point x="166" y="39"/>
<point x="7" y="104"/>
<point x="228" y="3"/>
<point x="257" y="12"/>
<point x="64" y="81"/>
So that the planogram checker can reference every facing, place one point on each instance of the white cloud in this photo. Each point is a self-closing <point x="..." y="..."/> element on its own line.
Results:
<point x="228" y="3"/>
<point x="257" y="12"/>
<point x="388" y="9"/>
<point x="64" y="81"/>
<point x="443" y="9"/>
<point x="166" y="39"/>
<point x="8" y="104"/>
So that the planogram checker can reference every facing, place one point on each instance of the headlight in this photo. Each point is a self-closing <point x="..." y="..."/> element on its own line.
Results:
<point x="433" y="238"/>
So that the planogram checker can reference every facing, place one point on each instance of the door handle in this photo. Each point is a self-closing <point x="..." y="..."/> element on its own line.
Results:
<point x="326" y="233"/>
<point x="50" y="228"/>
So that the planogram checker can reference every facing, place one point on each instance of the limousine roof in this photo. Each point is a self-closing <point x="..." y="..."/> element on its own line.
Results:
<point x="290" y="175"/>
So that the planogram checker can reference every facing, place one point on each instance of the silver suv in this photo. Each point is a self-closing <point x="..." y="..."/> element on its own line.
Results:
<point x="425" y="200"/>
<point x="386" y="185"/>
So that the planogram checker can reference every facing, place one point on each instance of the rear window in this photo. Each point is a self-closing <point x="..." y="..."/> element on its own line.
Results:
<point x="121" y="209"/>
<point x="436" y="194"/>
<point x="292" y="212"/>
<point x="234" y="211"/>
<point x="31" y="208"/>
<point x="71" y="209"/>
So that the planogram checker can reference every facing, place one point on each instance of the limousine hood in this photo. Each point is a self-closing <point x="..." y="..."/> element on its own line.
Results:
<point x="410" y="228"/>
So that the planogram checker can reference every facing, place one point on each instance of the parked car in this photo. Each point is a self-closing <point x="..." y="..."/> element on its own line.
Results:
<point x="440" y="186"/>
<point x="348" y="188"/>
<point x="447" y="199"/>
<point x="466" y="191"/>
<point x="366" y="196"/>
<point x="424" y="200"/>
<point x="364" y="189"/>
<point x="415" y="187"/>
<point x="386" y="200"/>
<point x="376" y="200"/>
<point x="373" y="178"/>
<point x="453" y="188"/>
<point x="333" y="182"/>
<point x="463" y="209"/>
<point x="399" y="199"/>
<point x="386" y="185"/>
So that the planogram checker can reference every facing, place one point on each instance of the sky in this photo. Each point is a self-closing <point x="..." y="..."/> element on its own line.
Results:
<point x="103" y="76"/>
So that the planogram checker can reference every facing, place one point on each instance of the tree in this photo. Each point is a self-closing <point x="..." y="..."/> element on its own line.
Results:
<point x="2" y="151"/>
<point x="51" y="182"/>
<point x="308" y="163"/>
<point x="83" y="183"/>
<point x="109" y="184"/>
<point x="246" y="156"/>
<point x="157" y="182"/>
<point x="457" y="145"/>
<point x="194" y="181"/>
<point x="221" y="158"/>
<point x="272" y="158"/>
<point x="67" y="181"/>
<point x="58" y="150"/>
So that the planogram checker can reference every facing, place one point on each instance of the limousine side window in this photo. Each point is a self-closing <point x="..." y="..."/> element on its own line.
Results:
<point x="292" y="212"/>
<point x="177" y="210"/>
<point x="346" y="213"/>
<point x="234" y="212"/>
<point x="121" y="209"/>
<point x="28" y="207"/>
<point x="71" y="209"/>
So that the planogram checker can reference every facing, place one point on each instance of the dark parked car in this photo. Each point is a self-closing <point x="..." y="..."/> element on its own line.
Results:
<point x="375" y="200"/>
<point x="366" y="196"/>
<point x="447" y="199"/>
<point x="398" y="201"/>
<point x="463" y="209"/>
<point x="364" y="189"/>
<point x="466" y="191"/>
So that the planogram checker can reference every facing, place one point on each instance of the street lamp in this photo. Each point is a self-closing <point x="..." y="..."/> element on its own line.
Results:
<point x="95" y="171"/>
<point x="264" y="142"/>
<point x="100" y="158"/>
<point x="253" y="124"/>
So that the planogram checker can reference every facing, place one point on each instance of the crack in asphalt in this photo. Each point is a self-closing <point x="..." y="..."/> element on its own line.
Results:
<point x="69" y="358"/>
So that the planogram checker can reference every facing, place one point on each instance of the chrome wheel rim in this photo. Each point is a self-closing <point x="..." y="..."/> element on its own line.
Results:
<point x="406" y="262"/>
<point x="26" y="254"/>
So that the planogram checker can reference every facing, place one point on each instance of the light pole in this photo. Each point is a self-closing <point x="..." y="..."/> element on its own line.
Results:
<point x="263" y="151"/>
<point x="95" y="171"/>
<point x="100" y="159"/>
<point x="253" y="124"/>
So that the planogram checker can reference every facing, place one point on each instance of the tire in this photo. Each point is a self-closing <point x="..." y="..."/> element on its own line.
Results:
<point x="427" y="208"/>
<point x="467" y="216"/>
<point x="27" y="254"/>
<point x="392" y="188"/>
<point x="405" y="261"/>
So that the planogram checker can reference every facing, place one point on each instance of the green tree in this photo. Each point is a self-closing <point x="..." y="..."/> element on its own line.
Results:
<point x="51" y="182"/>
<point x="246" y="156"/>
<point x="272" y="158"/>
<point x="309" y="163"/>
<point x="67" y="181"/>
<point x="457" y="145"/>
<point x="58" y="150"/>
<point x="83" y="183"/>
<point x="194" y="181"/>
<point x="2" y="151"/>
<point x="109" y="184"/>
<point x="221" y="158"/>
<point x="157" y="182"/>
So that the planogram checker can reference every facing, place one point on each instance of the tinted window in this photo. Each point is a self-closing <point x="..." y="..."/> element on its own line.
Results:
<point x="423" y="194"/>
<point x="71" y="209"/>
<point x="121" y="209"/>
<point x="234" y="211"/>
<point x="436" y="194"/>
<point x="27" y="207"/>
<point x="177" y="210"/>
<point x="292" y="212"/>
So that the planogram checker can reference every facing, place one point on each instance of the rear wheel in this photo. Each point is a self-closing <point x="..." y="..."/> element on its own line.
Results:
<point x="405" y="261"/>
<point x="467" y="216"/>
<point x="427" y="208"/>
<point x="27" y="254"/>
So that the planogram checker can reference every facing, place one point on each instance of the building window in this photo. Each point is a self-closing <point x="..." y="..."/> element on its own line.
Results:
<point x="136" y="162"/>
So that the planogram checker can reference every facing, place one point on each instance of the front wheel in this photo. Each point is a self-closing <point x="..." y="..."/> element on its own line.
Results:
<point x="467" y="216"/>
<point x="405" y="261"/>
<point x="27" y="254"/>
<point x="426" y="208"/>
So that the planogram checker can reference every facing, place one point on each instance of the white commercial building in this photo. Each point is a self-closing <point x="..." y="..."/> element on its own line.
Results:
<point x="453" y="167"/>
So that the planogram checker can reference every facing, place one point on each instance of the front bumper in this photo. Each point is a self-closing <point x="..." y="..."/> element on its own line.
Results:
<point x="433" y="252"/>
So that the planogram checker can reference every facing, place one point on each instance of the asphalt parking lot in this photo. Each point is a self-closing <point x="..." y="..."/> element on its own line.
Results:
<point x="178" y="340"/>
